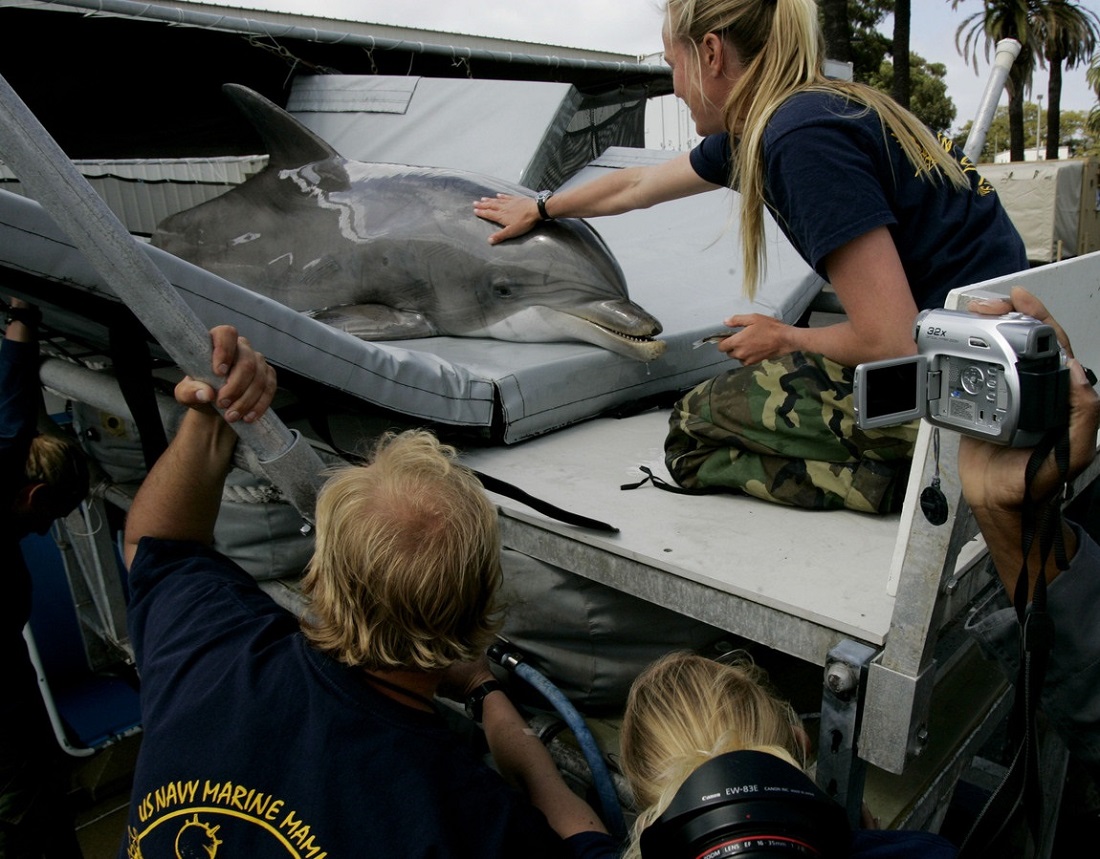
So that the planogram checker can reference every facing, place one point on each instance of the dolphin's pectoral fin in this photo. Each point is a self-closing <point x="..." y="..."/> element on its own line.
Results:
<point x="376" y="321"/>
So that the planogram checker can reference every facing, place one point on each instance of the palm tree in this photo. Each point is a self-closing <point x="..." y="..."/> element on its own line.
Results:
<point x="1002" y="19"/>
<point x="1093" y="77"/>
<point x="1067" y="35"/>
<point x="836" y="29"/>
<point x="901" y="87"/>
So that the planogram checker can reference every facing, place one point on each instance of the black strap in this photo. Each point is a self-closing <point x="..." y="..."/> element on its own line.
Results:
<point x="501" y="487"/>
<point x="30" y="315"/>
<point x="660" y="483"/>
<point x="319" y="423"/>
<point x="133" y="366"/>
<point x="1021" y="782"/>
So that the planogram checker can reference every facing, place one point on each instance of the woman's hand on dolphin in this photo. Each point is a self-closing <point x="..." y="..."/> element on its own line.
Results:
<point x="249" y="384"/>
<point x="761" y="337"/>
<point x="517" y="215"/>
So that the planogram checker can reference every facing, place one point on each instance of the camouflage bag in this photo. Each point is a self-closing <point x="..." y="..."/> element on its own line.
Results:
<point x="784" y="430"/>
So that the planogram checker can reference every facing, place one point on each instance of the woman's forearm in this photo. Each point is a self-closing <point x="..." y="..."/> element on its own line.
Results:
<point x="845" y="345"/>
<point x="613" y="193"/>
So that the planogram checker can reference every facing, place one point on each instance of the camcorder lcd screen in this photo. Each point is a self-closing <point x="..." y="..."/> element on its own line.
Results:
<point x="890" y="392"/>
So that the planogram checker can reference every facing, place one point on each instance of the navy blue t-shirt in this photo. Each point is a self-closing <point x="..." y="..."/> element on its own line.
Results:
<point x="832" y="174"/>
<point x="866" y="844"/>
<point x="255" y="740"/>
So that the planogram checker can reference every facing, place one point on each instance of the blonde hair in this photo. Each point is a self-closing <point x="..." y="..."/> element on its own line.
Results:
<point x="59" y="463"/>
<point x="683" y="711"/>
<point x="781" y="46"/>
<point x="406" y="567"/>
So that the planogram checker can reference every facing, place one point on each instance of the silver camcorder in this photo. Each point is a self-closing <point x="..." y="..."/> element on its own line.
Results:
<point x="998" y="378"/>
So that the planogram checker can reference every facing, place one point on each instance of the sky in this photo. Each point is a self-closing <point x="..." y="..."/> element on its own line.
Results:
<point x="634" y="27"/>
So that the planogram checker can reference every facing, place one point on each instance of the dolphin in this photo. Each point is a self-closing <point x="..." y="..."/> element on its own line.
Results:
<point x="390" y="251"/>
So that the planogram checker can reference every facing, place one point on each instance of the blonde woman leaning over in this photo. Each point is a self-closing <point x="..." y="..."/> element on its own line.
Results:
<point x="892" y="216"/>
<point x="694" y="727"/>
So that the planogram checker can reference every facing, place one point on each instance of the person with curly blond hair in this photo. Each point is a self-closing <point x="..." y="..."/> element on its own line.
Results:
<point x="265" y="731"/>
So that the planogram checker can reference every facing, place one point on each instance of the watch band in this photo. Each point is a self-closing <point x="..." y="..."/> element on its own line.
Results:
<point x="540" y="201"/>
<point x="30" y="316"/>
<point x="475" y="701"/>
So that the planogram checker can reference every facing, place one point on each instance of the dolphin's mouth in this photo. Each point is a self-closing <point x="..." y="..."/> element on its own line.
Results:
<point x="640" y="347"/>
<point x="622" y="335"/>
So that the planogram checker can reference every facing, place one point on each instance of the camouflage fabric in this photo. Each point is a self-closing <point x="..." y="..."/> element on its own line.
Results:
<point x="785" y="430"/>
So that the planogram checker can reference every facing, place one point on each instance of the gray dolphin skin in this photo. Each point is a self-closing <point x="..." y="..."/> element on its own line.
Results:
<point x="387" y="251"/>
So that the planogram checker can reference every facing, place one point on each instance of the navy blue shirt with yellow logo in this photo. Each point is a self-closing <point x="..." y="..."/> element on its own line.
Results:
<point x="833" y="173"/>
<point x="256" y="744"/>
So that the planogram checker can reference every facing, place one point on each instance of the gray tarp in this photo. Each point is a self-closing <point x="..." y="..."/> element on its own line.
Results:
<point x="1047" y="201"/>
<point x="680" y="260"/>
<point x="426" y="121"/>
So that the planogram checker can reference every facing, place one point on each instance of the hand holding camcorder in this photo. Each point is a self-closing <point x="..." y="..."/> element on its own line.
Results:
<point x="999" y="378"/>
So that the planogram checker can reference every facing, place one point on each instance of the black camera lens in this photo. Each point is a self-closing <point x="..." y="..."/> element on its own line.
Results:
<point x="748" y="804"/>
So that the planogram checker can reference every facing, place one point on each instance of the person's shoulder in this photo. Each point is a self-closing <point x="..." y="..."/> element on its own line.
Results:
<point x="156" y="550"/>
<point x="715" y="144"/>
<point x="157" y="560"/>
<point x="711" y="159"/>
<point x="819" y="107"/>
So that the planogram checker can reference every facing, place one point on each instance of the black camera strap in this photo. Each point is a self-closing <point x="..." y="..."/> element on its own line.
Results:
<point x="318" y="422"/>
<point x="660" y="483"/>
<point x="1021" y="782"/>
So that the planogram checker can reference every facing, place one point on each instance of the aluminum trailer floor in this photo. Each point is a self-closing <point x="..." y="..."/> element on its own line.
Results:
<point x="795" y="580"/>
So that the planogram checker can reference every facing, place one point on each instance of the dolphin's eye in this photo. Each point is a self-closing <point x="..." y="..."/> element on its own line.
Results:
<point x="502" y="290"/>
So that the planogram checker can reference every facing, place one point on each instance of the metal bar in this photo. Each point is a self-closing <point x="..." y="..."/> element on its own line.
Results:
<point x="899" y="686"/>
<point x="48" y="700"/>
<point x="840" y="770"/>
<point x="217" y="21"/>
<point x="89" y="559"/>
<point x="1007" y="51"/>
<point x="98" y="389"/>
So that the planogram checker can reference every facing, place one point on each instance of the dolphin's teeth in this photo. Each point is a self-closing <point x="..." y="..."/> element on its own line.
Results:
<point x="636" y="338"/>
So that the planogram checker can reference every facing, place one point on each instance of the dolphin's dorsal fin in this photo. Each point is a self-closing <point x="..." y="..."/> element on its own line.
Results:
<point x="288" y="142"/>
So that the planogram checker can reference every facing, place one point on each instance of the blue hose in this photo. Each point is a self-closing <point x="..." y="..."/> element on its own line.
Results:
<point x="601" y="777"/>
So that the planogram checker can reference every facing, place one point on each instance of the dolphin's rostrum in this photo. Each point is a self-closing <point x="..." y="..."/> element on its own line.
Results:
<point x="388" y="251"/>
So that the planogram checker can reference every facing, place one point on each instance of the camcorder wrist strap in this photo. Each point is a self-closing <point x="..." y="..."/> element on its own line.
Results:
<point x="1021" y="783"/>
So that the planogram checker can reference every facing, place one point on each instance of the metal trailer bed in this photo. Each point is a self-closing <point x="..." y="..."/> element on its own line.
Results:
<point x="865" y="597"/>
